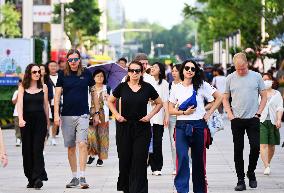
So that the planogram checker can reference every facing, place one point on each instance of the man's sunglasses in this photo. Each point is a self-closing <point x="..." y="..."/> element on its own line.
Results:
<point x="73" y="59"/>
<point x="134" y="70"/>
<point x="192" y="69"/>
<point x="38" y="71"/>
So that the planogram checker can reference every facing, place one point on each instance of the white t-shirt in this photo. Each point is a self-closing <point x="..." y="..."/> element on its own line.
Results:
<point x="180" y="93"/>
<point x="163" y="91"/>
<point x="15" y="114"/>
<point x="53" y="78"/>
<point x="220" y="83"/>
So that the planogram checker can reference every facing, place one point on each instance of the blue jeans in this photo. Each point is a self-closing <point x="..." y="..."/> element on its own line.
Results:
<point x="191" y="133"/>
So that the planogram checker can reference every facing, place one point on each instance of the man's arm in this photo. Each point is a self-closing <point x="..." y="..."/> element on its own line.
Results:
<point x="227" y="106"/>
<point x="263" y="101"/>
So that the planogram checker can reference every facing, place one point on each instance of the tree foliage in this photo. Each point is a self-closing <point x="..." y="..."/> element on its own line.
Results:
<point x="219" y="18"/>
<point x="174" y="39"/>
<point x="81" y="19"/>
<point x="9" y="23"/>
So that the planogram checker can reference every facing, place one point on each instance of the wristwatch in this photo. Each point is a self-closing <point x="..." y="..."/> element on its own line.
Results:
<point x="258" y="115"/>
<point x="97" y="112"/>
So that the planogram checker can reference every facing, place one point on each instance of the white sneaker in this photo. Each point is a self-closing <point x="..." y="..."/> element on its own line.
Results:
<point x="157" y="173"/>
<point x="267" y="171"/>
<point x="53" y="142"/>
<point x="174" y="172"/>
<point x="18" y="142"/>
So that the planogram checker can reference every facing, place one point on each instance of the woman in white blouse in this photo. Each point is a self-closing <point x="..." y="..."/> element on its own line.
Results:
<point x="173" y="118"/>
<point x="270" y="122"/>
<point x="191" y="128"/>
<point x="161" y="119"/>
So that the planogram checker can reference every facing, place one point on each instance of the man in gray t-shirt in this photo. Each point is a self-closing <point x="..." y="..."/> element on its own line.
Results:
<point x="244" y="87"/>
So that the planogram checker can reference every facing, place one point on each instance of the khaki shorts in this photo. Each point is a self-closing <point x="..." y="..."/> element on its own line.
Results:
<point x="75" y="129"/>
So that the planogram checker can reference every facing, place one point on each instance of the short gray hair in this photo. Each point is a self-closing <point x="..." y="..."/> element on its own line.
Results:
<point x="240" y="57"/>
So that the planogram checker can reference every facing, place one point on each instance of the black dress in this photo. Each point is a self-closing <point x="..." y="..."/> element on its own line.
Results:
<point x="33" y="136"/>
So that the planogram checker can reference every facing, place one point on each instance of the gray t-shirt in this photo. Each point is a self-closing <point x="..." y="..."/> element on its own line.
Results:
<point x="244" y="91"/>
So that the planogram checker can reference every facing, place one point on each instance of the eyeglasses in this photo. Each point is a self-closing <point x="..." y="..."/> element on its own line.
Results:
<point x="192" y="69"/>
<point x="34" y="72"/>
<point x="73" y="59"/>
<point x="134" y="70"/>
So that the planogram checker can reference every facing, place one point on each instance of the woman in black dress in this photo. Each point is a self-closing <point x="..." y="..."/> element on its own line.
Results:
<point x="33" y="121"/>
<point x="134" y="130"/>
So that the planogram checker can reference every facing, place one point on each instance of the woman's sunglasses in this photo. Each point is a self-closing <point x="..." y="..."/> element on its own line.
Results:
<point x="36" y="71"/>
<point x="192" y="69"/>
<point x="73" y="59"/>
<point x="134" y="70"/>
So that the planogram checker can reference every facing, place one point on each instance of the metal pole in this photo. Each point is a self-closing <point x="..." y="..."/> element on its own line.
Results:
<point x="62" y="25"/>
<point x="263" y="21"/>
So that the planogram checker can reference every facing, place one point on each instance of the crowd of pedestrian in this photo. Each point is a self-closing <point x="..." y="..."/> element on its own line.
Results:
<point x="66" y="96"/>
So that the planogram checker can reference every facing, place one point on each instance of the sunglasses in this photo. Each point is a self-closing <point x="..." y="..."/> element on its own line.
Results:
<point x="192" y="69"/>
<point x="73" y="59"/>
<point x="34" y="72"/>
<point x="134" y="70"/>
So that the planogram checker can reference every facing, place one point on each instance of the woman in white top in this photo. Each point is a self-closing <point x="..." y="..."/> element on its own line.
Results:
<point x="187" y="102"/>
<point x="98" y="135"/>
<point x="161" y="119"/>
<point x="219" y="82"/>
<point x="173" y="118"/>
<point x="270" y="122"/>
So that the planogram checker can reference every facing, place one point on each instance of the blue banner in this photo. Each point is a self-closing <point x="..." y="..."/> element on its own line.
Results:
<point x="9" y="81"/>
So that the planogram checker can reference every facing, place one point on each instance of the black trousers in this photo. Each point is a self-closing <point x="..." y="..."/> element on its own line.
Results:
<point x="33" y="137"/>
<point x="156" y="158"/>
<point x="251" y="127"/>
<point x="133" y="139"/>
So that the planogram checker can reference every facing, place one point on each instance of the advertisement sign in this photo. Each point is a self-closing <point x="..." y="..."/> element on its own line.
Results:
<point x="42" y="13"/>
<point x="15" y="55"/>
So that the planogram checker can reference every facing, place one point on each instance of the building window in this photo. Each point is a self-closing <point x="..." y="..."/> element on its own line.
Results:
<point x="42" y="2"/>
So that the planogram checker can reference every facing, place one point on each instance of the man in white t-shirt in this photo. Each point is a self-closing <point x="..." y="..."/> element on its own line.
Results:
<point x="16" y="118"/>
<point x="53" y="76"/>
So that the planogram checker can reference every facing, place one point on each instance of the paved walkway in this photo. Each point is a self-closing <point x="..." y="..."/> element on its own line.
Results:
<point x="220" y="169"/>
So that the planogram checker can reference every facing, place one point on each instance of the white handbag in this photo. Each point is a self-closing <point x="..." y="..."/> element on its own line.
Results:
<point x="215" y="123"/>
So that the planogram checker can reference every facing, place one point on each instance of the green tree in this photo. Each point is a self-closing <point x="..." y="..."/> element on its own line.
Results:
<point x="82" y="18"/>
<point x="218" y="18"/>
<point x="9" y="24"/>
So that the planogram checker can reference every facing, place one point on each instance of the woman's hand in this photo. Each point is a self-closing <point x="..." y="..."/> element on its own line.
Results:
<point x="4" y="160"/>
<point x="146" y="118"/>
<point x="278" y="124"/>
<point x="206" y="116"/>
<point x="120" y="118"/>
<point x="96" y="120"/>
<point x="22" y="123"/>
<point x="190" y="110"/>
<point x="166" y="121"/>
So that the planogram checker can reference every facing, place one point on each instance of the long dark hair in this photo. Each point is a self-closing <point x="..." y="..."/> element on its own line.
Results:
<point x="162" y="74"/>
<point x="197" y="79"/>
<point x="80" y="68"/>
<point x="100" y="71"/>
<point x="46" y="75"/>
<point x="28" y="77"/>
<point x="141" y="67"/>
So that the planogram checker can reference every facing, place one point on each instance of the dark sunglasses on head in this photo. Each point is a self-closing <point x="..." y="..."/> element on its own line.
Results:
<point x="73" y="59"/>
<point x="36" y="71"/>
<point x="134" y="70"/>
<point x="192" y="69"/>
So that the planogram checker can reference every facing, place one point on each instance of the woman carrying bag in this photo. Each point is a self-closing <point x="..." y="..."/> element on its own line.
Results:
<point x="187" y="102"/>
